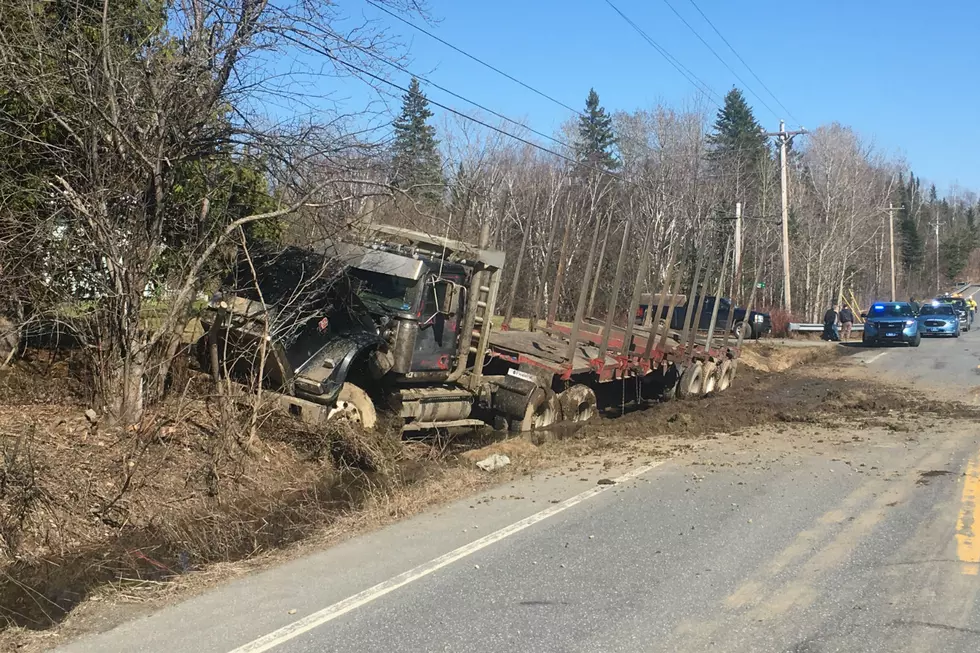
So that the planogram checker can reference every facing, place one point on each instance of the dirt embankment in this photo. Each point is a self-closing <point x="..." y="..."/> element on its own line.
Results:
<point x="95" y="517"/>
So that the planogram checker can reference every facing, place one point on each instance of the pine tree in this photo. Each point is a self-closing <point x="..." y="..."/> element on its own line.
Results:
<point x="416" y="164"/>
<point x="737" y="137"/>
<point x="971" y="223"/>
<point x="596" y="142"/>
<point x="913" y="247"/>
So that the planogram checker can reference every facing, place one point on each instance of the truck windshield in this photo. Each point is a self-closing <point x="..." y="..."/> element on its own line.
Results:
<point x="385" y="290"/>
<point x="890" y="310"/>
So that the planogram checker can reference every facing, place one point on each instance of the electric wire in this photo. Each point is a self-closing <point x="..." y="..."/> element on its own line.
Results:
<point x="433" y="84"/>
<point x="473" y="57"/>
<point x="696" y="81"/>
<point x="721" y="59"/>
<point x="744" y="63"/>
<point x="483" y="123"/>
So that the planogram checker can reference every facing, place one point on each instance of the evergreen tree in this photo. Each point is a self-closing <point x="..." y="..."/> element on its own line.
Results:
<point x="738" y="138"/>
<point x="416" y="164"/>
<point x="971" y="222"/>
<point x="913" y="247"/>
<point x="596" y="142"/>
<point x="954" y="253"/>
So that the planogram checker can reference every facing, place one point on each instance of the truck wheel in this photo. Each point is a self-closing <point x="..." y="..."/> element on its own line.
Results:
<point x="709" y="378"/>
<point x="742" y="330"/>
<point x="690" y="383"/>
<point x="578" y="403"/>
<point x="355" y="407"/>
<point x="540" y="415"/>
<point x="732" y="370"/>
<point x="724" y="377"/>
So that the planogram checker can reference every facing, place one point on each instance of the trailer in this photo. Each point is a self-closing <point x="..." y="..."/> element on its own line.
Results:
<point x="403" y="319"/>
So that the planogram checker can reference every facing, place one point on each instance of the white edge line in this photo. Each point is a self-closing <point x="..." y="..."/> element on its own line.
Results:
<point x="875" y="357"/>
<point x="308" y="623"/>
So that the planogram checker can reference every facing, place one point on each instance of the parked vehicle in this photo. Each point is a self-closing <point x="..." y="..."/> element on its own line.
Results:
<point x="754" y="326"/>
<point x="961" y="308"/>
<point x="938" y="319"/>
<point x="404" y="319"/>
<point x="891" y="322"/>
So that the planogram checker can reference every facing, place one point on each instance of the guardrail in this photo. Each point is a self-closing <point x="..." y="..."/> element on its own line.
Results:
<point x="817" y="328"/>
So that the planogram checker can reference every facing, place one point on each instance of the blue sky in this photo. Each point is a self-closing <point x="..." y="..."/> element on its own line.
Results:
<point x="905" y="74"/>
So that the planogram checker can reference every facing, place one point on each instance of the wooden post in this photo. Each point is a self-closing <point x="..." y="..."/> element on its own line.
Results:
<point x="583" y="294"/>
<point x="637" y="287"/>
<point x="614" y="294"/>
<point x="718" y="288"/>
<point x="509" y="310"/>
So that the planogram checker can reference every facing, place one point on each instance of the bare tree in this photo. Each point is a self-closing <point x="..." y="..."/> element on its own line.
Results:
<point x="142" y="143"/>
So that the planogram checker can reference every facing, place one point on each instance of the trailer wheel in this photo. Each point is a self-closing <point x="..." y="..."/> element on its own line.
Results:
<point x="578" y="403"/>
<point x="355" y="407"/>
<point x="732" y="369"/>
<point x="724" y="375"/>
<point x="539" y="415"/>
<point x="690" y="383"/>
<point x="709" y="378"/>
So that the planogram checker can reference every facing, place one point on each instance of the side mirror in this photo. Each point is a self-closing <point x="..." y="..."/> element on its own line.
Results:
<point x="447" y="296"/>
<point x="864" y="316"/>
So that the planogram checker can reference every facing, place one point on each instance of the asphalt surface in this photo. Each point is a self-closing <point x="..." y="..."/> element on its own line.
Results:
<point x="873" y="547"/>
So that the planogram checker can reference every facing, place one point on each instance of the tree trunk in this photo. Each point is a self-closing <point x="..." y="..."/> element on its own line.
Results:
<point x="560" y="273"/>
<point x="598" y="270"/>
<point x="120" y="385"/>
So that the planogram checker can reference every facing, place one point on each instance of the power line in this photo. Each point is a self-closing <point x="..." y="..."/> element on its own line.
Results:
<point x="405" y="70"/>
<point x="744" y="63"/>
<point x="673" y="61"/>
<point x="721" y="59"/>
<point x="483" y="123"/>
<point x="425" y="80"/>
<point x="472" y="57"/>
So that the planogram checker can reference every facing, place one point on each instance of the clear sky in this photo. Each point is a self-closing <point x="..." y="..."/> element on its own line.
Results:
<point x="904" y="73"/>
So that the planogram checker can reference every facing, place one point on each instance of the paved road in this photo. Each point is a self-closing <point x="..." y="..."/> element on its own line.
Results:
<point x="871" y="548"/>
<point x="949" y="364"/>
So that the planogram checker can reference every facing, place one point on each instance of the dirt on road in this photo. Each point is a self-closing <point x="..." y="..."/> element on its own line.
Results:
<point x="99" y="526"/>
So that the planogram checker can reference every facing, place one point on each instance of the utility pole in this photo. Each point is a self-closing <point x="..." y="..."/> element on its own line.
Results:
<point x="891" y="238"/>
<point x="937" y="253"/>
<point x="785" y="138"/>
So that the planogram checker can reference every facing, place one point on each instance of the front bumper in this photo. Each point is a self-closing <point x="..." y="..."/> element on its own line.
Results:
<point x="890" y="332"/>
<point x="932" y="327"/>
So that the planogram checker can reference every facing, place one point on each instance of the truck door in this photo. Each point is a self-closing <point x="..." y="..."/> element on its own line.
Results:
<point x="436" y="344"/>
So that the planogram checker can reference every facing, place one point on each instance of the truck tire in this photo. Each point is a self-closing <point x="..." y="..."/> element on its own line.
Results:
<point x="709" y="378"/>
<point x="355" y="407"/>
<point x="742" y="330"/>
<point x="690" y="383"/>
<point x="732" y="370"/>
<point x="724" y="376"/>
<point x="578" y="403"/>
<point x="540" y="414"/>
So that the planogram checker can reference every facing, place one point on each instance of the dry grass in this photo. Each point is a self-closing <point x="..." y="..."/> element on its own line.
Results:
<point x="765" y="357"/>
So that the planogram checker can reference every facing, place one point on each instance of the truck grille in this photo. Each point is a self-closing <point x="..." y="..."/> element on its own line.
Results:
<point x="894" y="326"/>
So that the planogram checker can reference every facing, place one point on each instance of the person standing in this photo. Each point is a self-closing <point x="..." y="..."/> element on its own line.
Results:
<point x="846" y="322"/>
<point x="830" y="324"/>
<point x="914" y="304"/>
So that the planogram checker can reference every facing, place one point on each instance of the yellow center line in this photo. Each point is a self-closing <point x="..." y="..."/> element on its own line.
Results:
<point x="967" y="537"/>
